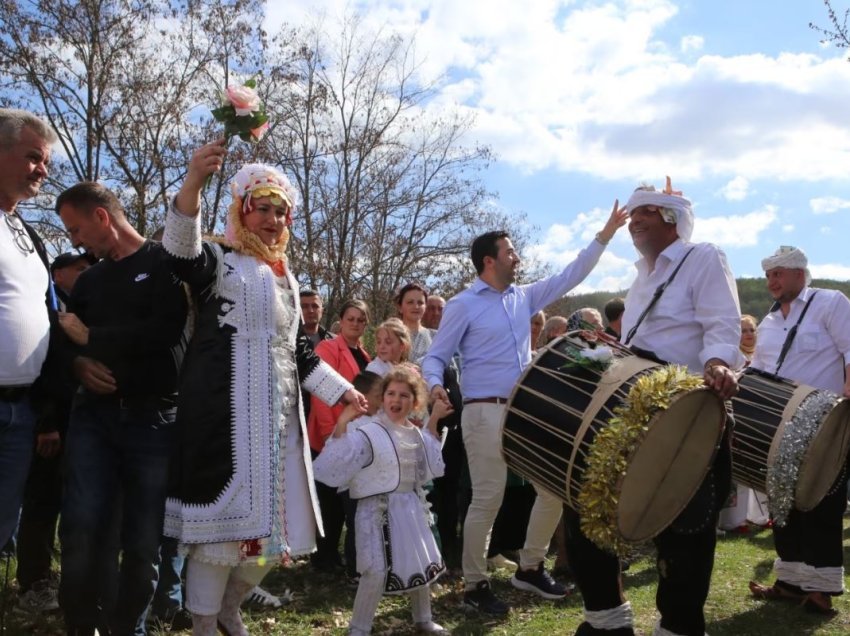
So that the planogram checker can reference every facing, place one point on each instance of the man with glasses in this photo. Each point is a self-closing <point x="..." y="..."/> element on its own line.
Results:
<point x="25" y="142"/>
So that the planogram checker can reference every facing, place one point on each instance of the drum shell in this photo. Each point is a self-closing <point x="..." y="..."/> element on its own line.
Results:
<point x="554" y="415"/>
<point x="763" y="407"/>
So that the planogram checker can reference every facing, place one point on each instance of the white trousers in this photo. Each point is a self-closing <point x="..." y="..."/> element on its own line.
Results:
<point x="482" y="436"/>
<point x="206" y="582"/>
<point x="369" y="593"/>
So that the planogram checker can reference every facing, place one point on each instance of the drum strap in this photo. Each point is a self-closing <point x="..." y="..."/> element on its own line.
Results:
<point x="792" y="333"/>
<point x="656" y="297"/>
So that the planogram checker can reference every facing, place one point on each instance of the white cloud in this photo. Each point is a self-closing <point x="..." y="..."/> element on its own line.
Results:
<point x="691" y="43"/>
<point x="563" y="241"/>
<point x="736" y="190"/>
<point x="828" y="205"/>
<point x="788" y="228"/>
<point x="833" y="271"/>
<point x="736" y="230"/>
<point x="599" y="89"/>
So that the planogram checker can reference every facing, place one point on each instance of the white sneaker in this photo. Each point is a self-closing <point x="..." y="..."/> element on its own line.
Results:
<point x="40" y="598"/>
<point x="500" y="561"/>
<point x="261" y="598"/>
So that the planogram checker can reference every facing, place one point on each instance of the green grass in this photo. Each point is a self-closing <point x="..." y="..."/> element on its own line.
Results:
<point x="322" y="603"/>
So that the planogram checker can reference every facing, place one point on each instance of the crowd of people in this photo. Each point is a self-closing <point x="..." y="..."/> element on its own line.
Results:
<point x="179" y="409"/>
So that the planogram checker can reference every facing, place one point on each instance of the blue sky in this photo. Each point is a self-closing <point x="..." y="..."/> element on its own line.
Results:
<point x="738" y="102"/>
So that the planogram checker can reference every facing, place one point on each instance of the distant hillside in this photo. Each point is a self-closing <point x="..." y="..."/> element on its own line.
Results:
<point x="752" y="293"/>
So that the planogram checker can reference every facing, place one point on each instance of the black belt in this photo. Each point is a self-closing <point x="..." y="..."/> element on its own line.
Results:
<point x="487" y="400"/>
<point x="13" y="393"/>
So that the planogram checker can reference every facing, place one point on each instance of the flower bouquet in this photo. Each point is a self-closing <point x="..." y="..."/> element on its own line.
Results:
<point x="242" y="114"/>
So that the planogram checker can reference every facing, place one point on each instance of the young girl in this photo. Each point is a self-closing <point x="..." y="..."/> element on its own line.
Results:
<point x="392" y="346"/>
<point x="384" y="464"/>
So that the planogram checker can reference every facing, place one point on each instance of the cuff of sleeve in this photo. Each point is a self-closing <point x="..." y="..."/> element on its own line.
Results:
<point x="596" y="247"/>
<point x="182" y="237"/>
<point x="326" y="384"/>
<point x="731" y="355"/>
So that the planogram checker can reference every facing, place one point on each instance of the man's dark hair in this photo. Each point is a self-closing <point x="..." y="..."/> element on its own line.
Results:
<point x="88" y="195"/>
<point x="614" y="308"/>
<point x="485" y="245"/>
<point x="365" y="380"/>
<point x="308" y="292"/>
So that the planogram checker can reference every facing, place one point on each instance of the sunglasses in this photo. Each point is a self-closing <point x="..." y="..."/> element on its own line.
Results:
<point x="19" y="234"/>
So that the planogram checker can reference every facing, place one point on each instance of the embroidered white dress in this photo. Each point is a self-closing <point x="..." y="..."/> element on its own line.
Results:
<point x="294" y="526"/>
<point x="243" y="490"/>
<point x="393" y="532"/>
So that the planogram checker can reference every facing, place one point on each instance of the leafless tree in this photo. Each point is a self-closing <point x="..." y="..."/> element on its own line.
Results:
<point x="391" y="191"/>
<point x="837" y="33"/>
<point x="119" y="80"/>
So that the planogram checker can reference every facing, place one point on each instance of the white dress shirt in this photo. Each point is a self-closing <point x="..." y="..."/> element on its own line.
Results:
<point x="821" y="349"/>
<point x="698" y="317"/>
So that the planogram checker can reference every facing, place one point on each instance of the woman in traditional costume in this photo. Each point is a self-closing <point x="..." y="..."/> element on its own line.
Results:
<point x="243" y="497"/>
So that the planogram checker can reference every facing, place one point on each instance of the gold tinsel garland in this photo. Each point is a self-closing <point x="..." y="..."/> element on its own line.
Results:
<point x="613" y="446"/>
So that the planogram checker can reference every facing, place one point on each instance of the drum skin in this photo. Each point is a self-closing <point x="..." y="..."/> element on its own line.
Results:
<point x="764" y="406"/>
<point x="554" y="413"/>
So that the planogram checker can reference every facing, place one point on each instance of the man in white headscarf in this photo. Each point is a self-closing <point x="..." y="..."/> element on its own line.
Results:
<point x="810" y="567"/>
<point x="697" y="323"/>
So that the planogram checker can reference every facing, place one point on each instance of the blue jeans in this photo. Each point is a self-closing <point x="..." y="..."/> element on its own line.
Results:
<point x="116" y="473"/>
<point x="17" y="443"/>
<point x="168" y="598"/>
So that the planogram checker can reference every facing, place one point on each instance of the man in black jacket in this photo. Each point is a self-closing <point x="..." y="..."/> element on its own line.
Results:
<point x="43" y="493"/>
<point x="126" y="321"/>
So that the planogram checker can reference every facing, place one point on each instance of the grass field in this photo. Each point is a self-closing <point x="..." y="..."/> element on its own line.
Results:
<point x="322" y="603"/>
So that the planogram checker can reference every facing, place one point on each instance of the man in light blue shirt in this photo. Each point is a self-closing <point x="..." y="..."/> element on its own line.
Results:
<point x="489" y="324"/>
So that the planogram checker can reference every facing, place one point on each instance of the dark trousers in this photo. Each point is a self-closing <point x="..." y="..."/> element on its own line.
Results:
<point x="333" y="519"/>
<point x="685" y="560"/>
<point x="815" y="537"/>
<point x="116" y="473"/>
<point x="446" y="495"/>
<point x="168" y="598"/>
<point x="39" y="516"/>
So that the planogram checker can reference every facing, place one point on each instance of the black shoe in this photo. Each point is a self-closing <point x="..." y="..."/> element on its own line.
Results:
<point x="539" y="582"/>
<point x="483" y="600"/>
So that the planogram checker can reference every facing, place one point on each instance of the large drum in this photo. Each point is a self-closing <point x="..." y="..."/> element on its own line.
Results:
<point x="788" y="438"/>
<point x="557" y="409"/>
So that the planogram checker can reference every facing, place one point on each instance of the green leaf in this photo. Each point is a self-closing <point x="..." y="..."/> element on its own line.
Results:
<point x="224" y="113"/>
<point x="251" y="83"/>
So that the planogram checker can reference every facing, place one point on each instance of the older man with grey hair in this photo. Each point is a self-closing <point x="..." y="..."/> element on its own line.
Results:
<point x="25" y="142"/>
<point x="806" y="337"/>
<point x="693" y="321"/>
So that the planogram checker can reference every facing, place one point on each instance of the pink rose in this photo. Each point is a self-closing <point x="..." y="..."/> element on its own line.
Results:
<point x="258" y="132"/>
<point x="243" y="98"/>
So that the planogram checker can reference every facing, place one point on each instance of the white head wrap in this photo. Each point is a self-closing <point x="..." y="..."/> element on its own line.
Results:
<point x="788" y="257"/>
<point x="674" y="207"/>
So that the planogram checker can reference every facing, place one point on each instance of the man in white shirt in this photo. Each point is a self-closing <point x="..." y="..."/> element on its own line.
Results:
<point x="25" y="143"/>
<point x="695" y="322"/>
<point x="810" y="567"/>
